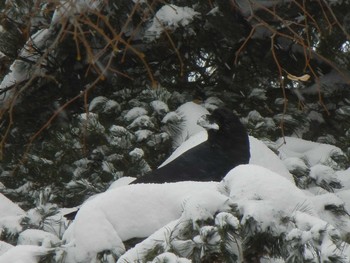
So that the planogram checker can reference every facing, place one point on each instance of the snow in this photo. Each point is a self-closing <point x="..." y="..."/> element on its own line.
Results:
<point x="37" y="237"/>
<point x="8" y="208"/>
<point x="345" y="196"/>
<point x="313" y="152"/>
<point x="189" y="112"/>
<point x="103" y="104"/>
<point x="170" y="17"/>
<point x="159" y="107"/>
<point x="69" y="8"/>
<point x="121" y="182"/>
<point x="344" y="178"/>
<point x="171" y="117"/>
<point x="203" y="205"/>
<point x="10" y="216"/>
<point x="91" y="122"/>
<point x="200" y="206"/>
<point x="4" y="247"/>
<point x="262" y="194"/>
<point x="20" y="70"/>
<point x="170" y="258"/>
<point x="320" y="173"/>
<point x="142" y="135"/>
<point x="137" y="153"/>
<point x="24" y="254"/>
<point x="157" y="238"/>
<point x="134" y="113"/>
<point x="224" y="218"/>
<point x="143" y="121"/>
<point x="294" y="163"/>
<point x="260" y="154"/>
<point x="140" y="210"/>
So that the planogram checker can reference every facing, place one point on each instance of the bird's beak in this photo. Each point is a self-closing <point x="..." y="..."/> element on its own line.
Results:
<point x="206" y="122"/>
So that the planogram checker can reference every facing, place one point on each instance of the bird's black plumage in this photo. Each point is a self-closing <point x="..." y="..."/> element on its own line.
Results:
<point x="226" y="147"/>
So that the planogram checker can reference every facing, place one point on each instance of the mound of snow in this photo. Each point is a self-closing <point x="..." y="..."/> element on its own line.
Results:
<point x="10" y="216"/>
<point x="4" y="247"/>
<point x="314" y="153"/>
<point x="8" y="208"/>
<point x="37" y="237"/>
<point x="258" y="190"/>
<point x="261" y="195"/>
<point x="126" y="212"/>
<point x="24" y="254"/>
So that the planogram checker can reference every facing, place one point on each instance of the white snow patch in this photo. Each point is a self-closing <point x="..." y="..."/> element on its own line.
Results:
<point x="295" y="163"/>
<point x="159" y="237"/>
<point x="142" y="135"/>
<point x="344" y="178"/>
<point x="261" y="155"/>
<point x="24" y="254"/>
<point x="159" y="107"/>
<point x="37" y="237"/>
<point x="189" y="112"/>
<point x="135" y="113"/>
<point x="121" y="182"/>
<point x="170" y="17"/>
<point x="264" y="195"/>
<point x="320" y="173"/>
<point x="170" y="258"/>
<point x="97" y="102"/>
<point x="4" y="247"/>
<point x="137" y="153"/>
<point x="103" y="104"/>
<point x="90" y="121"/>
<point x="11" y="216"/>
<point x="313" y="152"/>
<point x="8" y="208"/>
<point x="203" y="205"/>
<point x="143" y="121"/>
<point x="171" y="117"/>
<point x="20" y="70"/>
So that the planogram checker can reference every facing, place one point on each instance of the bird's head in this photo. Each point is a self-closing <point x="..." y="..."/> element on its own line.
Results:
<point x="208" y="122"/>
<point x="224" y="123"/>
<point x="219" y="119"/>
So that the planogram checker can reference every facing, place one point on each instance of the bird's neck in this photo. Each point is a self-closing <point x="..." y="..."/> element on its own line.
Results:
<point x="226" y="139"/>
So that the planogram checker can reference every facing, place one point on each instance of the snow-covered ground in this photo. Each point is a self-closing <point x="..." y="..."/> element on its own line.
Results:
<point x="263" y="190"/>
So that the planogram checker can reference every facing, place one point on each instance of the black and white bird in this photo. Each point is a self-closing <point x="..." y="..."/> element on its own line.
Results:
<point x="226" y="147"/>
